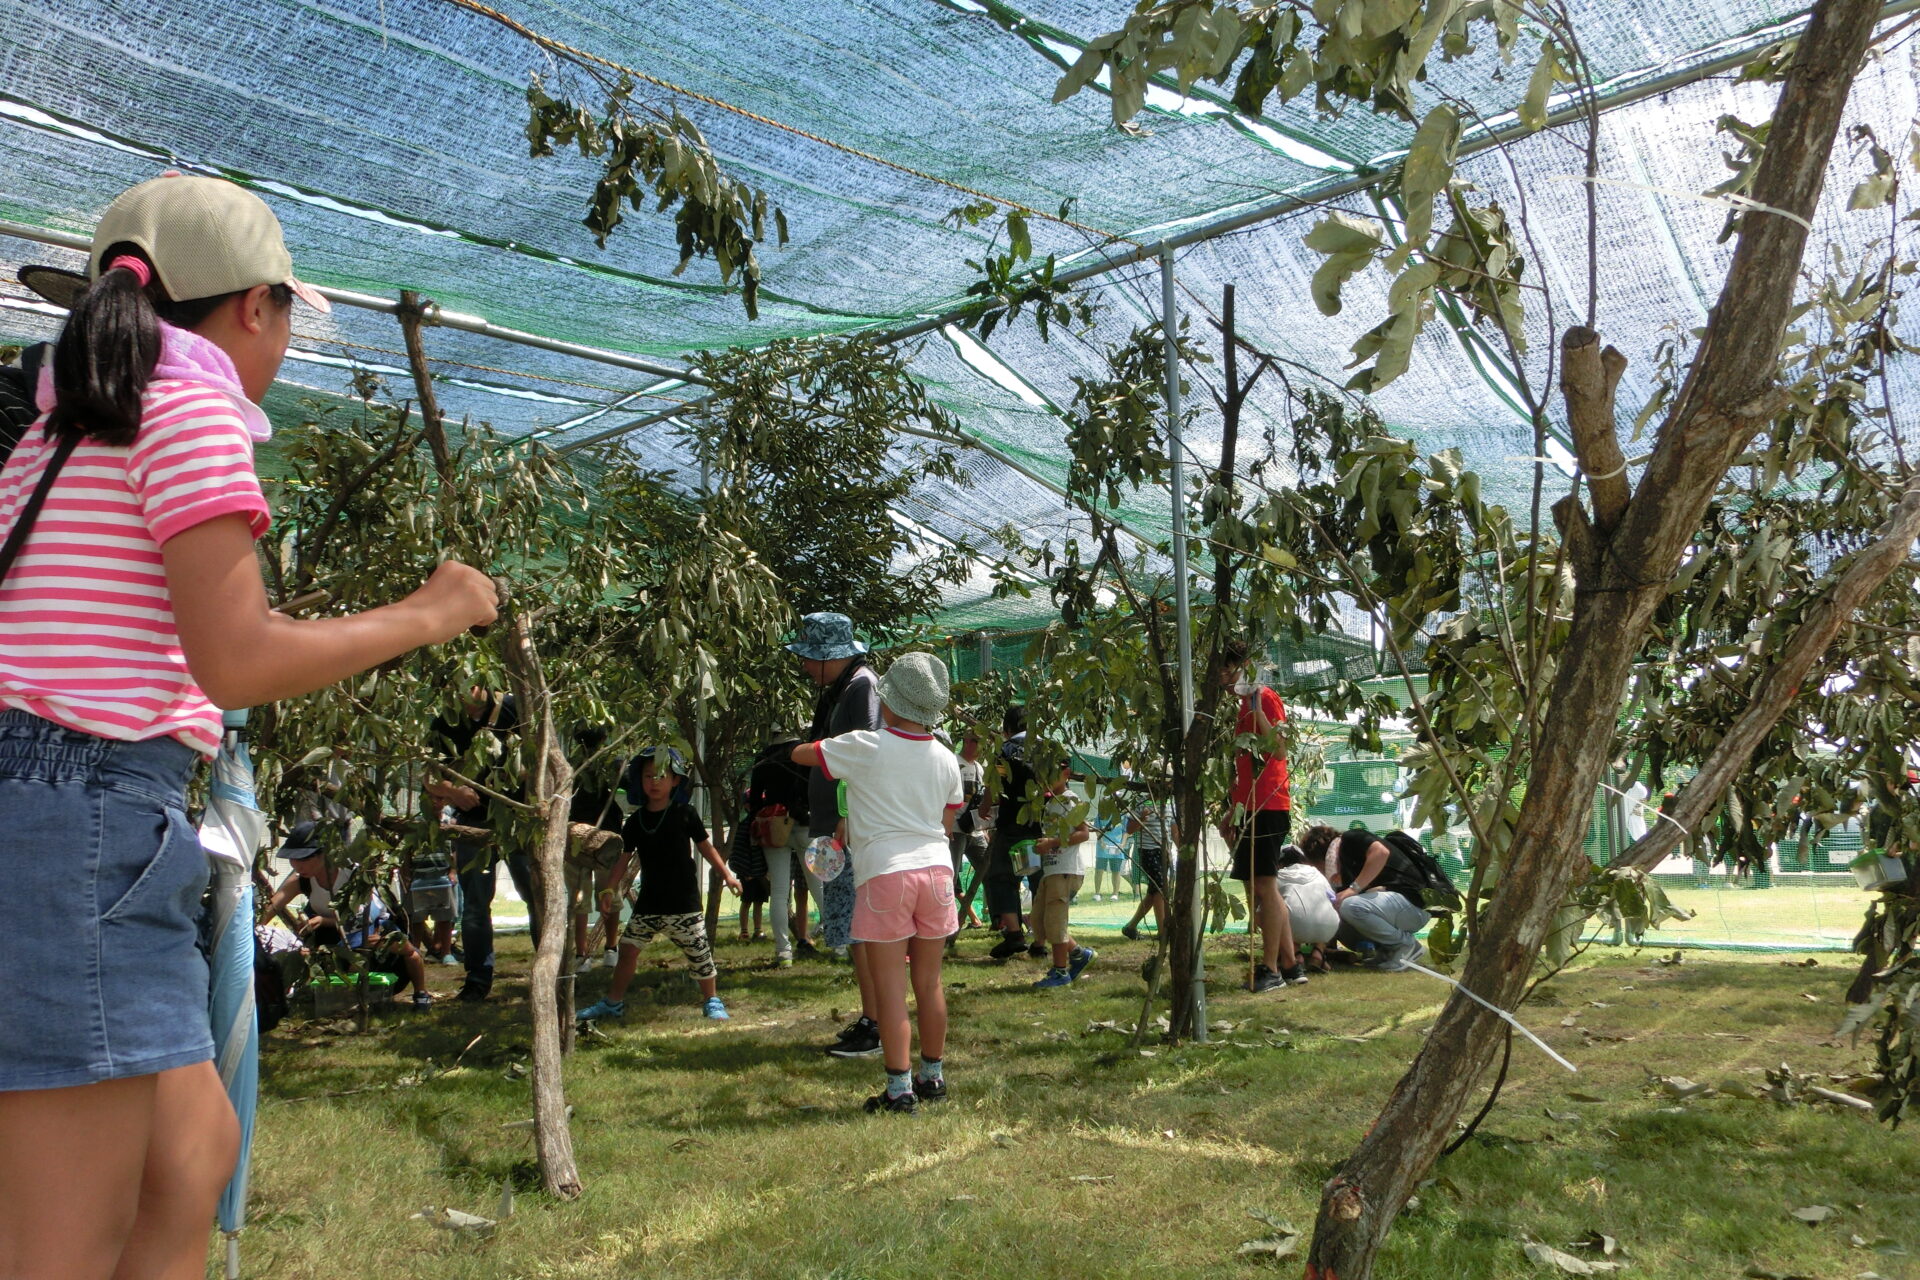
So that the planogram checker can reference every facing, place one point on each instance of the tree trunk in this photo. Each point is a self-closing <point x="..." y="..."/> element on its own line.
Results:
<point x="1621" y="579"/>
<point x="551" y="789"/>
<point x="1184" y="919"/>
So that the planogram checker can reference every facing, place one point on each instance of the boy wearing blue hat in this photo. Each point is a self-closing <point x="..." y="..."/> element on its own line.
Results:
<point x="662" y="833"/>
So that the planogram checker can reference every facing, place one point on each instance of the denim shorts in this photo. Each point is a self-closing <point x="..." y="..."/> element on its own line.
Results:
<point x="101" y="877"/>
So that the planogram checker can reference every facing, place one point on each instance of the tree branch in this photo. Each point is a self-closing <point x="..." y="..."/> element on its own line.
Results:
<point x="1778" y="686"/>
<point x="1588" y="380"/>
<point x="412" y="312"/>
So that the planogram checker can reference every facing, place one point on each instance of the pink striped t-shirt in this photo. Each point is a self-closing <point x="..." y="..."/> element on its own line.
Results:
<point x="87" y="636"/>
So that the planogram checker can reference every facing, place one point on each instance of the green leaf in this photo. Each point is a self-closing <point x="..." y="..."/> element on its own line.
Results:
<point x="1349" y="244"/>
<point x="1546" y="72"/>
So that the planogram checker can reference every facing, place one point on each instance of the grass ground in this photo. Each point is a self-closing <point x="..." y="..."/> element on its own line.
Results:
<point x="737" y="1150"/>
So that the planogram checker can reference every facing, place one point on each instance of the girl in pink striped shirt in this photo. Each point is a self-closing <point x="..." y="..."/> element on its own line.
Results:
<point x="131" y="610"/>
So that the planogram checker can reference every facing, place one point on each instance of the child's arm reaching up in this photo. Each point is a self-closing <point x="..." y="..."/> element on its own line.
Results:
<point x="807" y="753"/>
<point x="712" y="855"/>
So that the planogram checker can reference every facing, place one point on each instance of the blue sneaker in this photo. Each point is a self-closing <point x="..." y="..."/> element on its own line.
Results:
<point x="603" y="1009"/>
<point x="1055" y="978"/>
<point x="1079" y="962"/>
<point x="715" y="1009"/>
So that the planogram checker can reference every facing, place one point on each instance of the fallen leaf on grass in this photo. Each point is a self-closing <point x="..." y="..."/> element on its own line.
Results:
<point x="1808" y="963"/>
<point x="1728" y="1035"/>
<point x="687" y="1143"/>
<point x="1091" y="1177"/>
<point x="1003" y="1140"/>
<point x="1761" y="1273"/>
<point x="1681" y="1087"/>
<point x="1569" y="1020"/>
<point x="1814" y="1214"/>
<point x="1271" y="1250"/>
<point x="1280" y="1226"/>
<point x="1092" y="1027"/>
<point x="1675" y="958"/>
<point x="1808" y="995"/>
<point x="961" y="1199"/>
<point x="1596" y="1242"/>
<point x="1547" y="1255"/>
<point x="455" y="1220"/>
<point x="1599" y="1004"/>
<point x="1564" y="1117"/>
<point x="1574" y="1096"/>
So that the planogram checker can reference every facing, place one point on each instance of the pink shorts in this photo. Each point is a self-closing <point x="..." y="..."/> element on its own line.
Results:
<point x="906" y="904"/>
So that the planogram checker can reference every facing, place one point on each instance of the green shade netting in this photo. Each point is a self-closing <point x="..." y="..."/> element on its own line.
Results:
<point x="387" y="134"/>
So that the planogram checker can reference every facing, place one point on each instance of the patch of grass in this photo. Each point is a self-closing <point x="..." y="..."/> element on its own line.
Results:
<point x="739" y="1150"/>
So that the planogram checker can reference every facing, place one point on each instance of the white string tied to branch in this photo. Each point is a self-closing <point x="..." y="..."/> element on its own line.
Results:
<point x="1497" y="1012"/>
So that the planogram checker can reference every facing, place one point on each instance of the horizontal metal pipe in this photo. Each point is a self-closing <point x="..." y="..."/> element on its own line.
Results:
<point x="435" y="314"/>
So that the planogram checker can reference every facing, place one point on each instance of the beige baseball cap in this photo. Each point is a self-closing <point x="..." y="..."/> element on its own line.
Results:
<point x="205" y="236"/>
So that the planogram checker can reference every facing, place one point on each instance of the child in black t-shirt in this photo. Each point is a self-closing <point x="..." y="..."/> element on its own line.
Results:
<point x="662" y="834"/>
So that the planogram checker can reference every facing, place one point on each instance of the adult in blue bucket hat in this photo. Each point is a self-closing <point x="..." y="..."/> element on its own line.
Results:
<point x="826" y="637"/>
<point x="838" y="664"/>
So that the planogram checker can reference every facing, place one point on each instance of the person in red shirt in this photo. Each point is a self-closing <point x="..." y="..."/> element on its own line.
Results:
<point x="1261" y="818"/>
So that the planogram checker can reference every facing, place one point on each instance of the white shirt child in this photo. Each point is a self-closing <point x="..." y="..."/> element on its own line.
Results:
<point x="899" y="788"/>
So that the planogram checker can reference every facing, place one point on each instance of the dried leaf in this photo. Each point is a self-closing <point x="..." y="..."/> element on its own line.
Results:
<point x="1547" y="1255"/>
<point x="1814" y="1214"/>
<point x="1269" y="1250"/>
<point x="1278" y="1224"/>
<point x="1575" y="1096"/>
<point x="1597" y="1242"/>
<point x="1564" y="1117"/>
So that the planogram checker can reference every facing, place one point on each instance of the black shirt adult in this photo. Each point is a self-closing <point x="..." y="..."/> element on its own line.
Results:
<point x="849" y="703"/>
<point x="1016" y="790"/>
<point x="1398" y="874"/>
<point x="500" y="717"/>
<point x="662" y="842"/>
<point x="776" y="779"/>
<point x="594" y="805"/>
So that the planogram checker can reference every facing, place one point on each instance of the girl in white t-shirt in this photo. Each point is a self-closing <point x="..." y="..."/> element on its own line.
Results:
<point x="903" y="790"/>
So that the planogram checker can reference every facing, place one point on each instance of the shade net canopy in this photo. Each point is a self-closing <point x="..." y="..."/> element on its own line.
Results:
<point x="388" y="135"/>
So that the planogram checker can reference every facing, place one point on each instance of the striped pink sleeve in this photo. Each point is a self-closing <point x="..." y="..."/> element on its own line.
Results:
<point x="193" y="462"/>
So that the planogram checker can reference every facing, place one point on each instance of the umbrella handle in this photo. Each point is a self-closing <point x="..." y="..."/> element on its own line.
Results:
<point x="233" y="1255"/>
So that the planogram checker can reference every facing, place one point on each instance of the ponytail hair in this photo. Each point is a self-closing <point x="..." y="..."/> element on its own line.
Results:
<point x="107" y="352"/>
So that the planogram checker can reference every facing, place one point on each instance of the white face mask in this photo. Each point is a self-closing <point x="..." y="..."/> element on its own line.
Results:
<point x="1243" y="686"/>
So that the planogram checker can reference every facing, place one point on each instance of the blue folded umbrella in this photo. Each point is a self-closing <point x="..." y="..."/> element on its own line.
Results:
<point x="231" y="831"/>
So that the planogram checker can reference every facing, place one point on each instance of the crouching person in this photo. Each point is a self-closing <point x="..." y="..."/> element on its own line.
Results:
<point x="1379" y="892"/>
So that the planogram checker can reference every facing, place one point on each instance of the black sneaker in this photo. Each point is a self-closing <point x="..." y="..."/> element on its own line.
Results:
<point x="853" y="1030"/>
<point x="906" y="1104"/>
<point x="1038" y="949"/>
<point x="1297" y="975"/>
<point x="863" y="1043"/>
<point x="474" y="992"/>
<point x="930" y="1090"/>
<point x="804" y="947"/>
<point x="1131" y="932"/>
<point x="1265" y="979"/>
<point x="1007" y="948"/>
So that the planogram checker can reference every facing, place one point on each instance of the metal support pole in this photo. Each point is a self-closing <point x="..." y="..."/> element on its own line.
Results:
<point x="1182" y="606"/>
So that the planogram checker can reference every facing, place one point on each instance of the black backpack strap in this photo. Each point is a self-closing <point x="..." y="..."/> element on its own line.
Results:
<point x="18" y="538"/>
